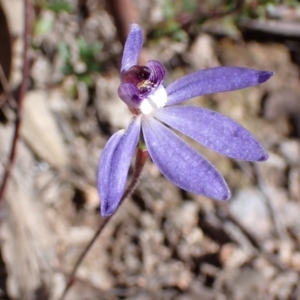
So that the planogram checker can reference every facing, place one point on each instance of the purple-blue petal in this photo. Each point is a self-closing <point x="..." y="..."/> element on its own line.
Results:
<point x="129" y="93"/>
<point x="132" y="48"/>
<point x="214" y="131"/>
<point x="158" y="72"/>
<point x="114" y="166"/>
<point x="214" y="80"/>
<point x="181" y="164"/>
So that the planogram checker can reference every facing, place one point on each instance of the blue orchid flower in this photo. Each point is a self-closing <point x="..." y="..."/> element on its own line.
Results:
<point x="155" y="111"/>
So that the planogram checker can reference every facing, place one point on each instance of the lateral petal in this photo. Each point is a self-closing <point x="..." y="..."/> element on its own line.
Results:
<point x="114" y="166"/>
<point x="213" y="130"/>
<point x="214" y="80"/>
<point x="181" y="164"/>
<point x="132" y="48"/>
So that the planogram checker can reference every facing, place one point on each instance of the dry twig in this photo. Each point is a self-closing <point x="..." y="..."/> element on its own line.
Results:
<point x="20" y="100"/>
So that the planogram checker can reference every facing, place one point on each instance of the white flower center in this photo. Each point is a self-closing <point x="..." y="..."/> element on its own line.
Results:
<point x="155" y="100"/>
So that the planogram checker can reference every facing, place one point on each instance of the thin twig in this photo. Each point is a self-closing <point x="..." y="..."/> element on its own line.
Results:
<point x="266" y="190"/>
<point x="216" y="14"/>
<point x="141" y="158"/>
<point x="224" y="213"/>
<point x="20" y="100"/>
<point x="185" y="22"/>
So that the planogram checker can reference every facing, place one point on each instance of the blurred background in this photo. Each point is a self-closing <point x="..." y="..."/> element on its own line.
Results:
<point x="163" y="243"/>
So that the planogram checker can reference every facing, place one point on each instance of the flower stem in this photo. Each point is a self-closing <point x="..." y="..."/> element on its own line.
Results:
<point x="141" y="158"/>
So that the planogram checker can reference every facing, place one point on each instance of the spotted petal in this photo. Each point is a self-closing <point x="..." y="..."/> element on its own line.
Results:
<point x="132" y="48"/>
<point x="114" y="166"/>
<point x="129" y="93"/>
<point x="180" y="163"/>
<point x="214" y="80"/>
<point x="214" y="131"/>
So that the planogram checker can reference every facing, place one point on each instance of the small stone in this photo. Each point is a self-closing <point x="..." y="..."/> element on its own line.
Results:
<point x="249" y="207"/>
<point x="41" y="131"/>
<point x="290" y="149"/>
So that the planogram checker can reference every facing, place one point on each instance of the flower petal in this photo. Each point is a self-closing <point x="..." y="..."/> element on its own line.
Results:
<point x="132" y="48"/>
<point x="214" y="131"/>
<point x="180" y="163"/>
<point x="114" y="166"/>
<point x="129" y="93"/>
<point x="158" y="72"/>
<point x="214" y="80"/>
